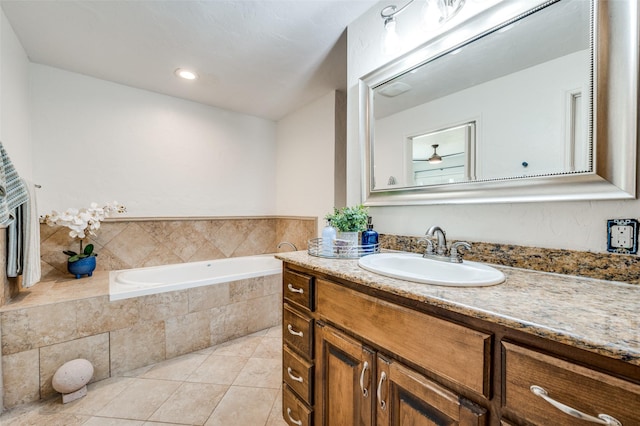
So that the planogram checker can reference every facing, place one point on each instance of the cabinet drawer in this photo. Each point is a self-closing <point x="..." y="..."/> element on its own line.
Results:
<point x="297" y="331"/>
<point x="298" y="289"/>
<point x="580" y="388"/>
<point x="452" y="351"/>
<point x="294" y="412"/>
<point x="297" y="373"/>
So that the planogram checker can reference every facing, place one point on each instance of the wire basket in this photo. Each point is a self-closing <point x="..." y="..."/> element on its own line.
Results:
<point x="340" y="249"/>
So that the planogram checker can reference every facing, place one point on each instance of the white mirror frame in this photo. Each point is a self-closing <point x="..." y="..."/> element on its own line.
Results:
<point x="614" y="111"/>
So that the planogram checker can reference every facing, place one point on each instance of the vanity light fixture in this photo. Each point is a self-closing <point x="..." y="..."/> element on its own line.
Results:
<point x="435" y="158"/>
<point x="447" y="9"/>
<point x="186" y="74"/>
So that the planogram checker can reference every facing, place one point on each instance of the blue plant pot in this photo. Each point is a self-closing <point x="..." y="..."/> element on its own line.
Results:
<point x="82" y="267"/>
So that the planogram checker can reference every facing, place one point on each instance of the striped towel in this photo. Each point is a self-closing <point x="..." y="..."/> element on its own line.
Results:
<point x="31" y="272"/>
<point x="13" y="192"/>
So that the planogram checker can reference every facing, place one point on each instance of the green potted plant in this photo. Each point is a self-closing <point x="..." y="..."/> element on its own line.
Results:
<point x="82" y="222"/>
<point x="349" y="221"/>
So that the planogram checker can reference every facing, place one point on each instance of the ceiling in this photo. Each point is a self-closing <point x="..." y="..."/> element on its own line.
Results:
<point x="259" y="57"/>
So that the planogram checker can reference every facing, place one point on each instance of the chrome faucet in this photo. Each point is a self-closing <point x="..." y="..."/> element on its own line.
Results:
<point x="441" y="248"/>
<point x="283" y="243"/>
<point x="441" y="251"/>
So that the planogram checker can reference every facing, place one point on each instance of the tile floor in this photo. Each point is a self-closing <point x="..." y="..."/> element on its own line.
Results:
<point x="237" y="383"/>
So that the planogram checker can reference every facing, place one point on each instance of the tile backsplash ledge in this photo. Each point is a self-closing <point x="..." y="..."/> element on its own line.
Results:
<point x="135" y="243"/>
<point x="612" y="267"/>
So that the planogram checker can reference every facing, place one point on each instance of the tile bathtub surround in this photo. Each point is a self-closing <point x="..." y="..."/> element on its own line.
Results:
<point x="134" y="243"/>
<point x="603" y="266"/>
<point x="207" y="387"/>
<point x="40" y="333"/>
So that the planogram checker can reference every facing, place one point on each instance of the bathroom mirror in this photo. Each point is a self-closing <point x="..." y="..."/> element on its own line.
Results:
<point x="516" y="104"/>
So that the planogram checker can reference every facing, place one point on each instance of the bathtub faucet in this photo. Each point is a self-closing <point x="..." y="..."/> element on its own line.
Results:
<point x="283" y="243"/>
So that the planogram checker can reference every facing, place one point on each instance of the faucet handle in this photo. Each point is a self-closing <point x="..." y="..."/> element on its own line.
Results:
<point x="429" y="248"/>
<point x="454" y="254"/>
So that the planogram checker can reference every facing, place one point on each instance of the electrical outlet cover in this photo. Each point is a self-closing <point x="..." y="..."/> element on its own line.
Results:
<point x="613" y="226"/>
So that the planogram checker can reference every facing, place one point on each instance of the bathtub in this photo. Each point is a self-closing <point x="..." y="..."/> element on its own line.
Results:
<point x="128" y="283"/>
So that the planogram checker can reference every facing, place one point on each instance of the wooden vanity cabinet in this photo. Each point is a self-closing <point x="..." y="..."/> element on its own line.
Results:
<point x="355" y="385"/>
<point x="582" y="389"/>
<point x="357" y="356"/>
<point x="344" y="375"/>
<point x="407" y="398"/>
<point x="297" y="351"/>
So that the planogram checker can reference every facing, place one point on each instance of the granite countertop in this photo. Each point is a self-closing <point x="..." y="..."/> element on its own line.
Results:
<point x="595" y="315"/>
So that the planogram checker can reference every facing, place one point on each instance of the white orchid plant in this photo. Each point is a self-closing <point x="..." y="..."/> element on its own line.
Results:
<point x="82" y="222"/>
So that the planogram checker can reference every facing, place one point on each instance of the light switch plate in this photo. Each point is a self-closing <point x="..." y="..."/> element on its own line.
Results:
<point x="622" y="236"/>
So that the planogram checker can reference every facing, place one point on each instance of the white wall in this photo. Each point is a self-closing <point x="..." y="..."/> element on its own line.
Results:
<point x="305" y="160"/>
<point x="565" y="225"/>
<point x="14" y="100"/>
<point x="160" y="156"/>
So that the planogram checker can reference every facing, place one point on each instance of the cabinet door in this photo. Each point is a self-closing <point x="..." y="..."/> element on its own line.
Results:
<point x="406" y="398"/>
<point x="344" y="374"/>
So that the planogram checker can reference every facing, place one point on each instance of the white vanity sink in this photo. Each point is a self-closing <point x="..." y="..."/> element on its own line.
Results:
<point x="414" y="267"/>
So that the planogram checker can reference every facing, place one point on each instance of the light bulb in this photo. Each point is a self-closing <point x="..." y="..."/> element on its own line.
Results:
<point x="391" y="43"/>
<point x="186" y="74"/>
<point x="430" y="16"/>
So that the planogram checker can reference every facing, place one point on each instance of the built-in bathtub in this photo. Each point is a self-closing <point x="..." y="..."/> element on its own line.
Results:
<point x="64" y="319"/>
<point x="158" y="279"/>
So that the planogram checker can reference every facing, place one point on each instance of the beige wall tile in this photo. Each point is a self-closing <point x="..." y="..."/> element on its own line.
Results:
<point x="207" y="297"/>
<point x="95" y="349"/>
<point x="133" y="244"/>
<point x="217" y="324"/>
<point x="137" y="346"/>
<point x="273" y="284"/>
<point x="31" y="328"/>
<point x="160" y="255"/>
<point x="266" y="312"/>
<point x="185" y="240"/>
<point x="208" y="228"/>
<point x="160" y="306"/>
<point x="230" y="235"/>
<point x="296" y="230"/>
<point x="246" y="289"/>
<point x="187" y="333"/>
<point x="98" y="314"/>
<point x="208" y="251"/>
<point x="159" y="229"/>
<point x="21" y="378"/>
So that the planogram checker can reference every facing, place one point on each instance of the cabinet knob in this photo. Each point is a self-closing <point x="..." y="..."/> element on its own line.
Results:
<point x="602" y="419"/>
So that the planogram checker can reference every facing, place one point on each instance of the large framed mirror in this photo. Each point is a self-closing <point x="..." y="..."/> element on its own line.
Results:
<point x="535" y="105"/>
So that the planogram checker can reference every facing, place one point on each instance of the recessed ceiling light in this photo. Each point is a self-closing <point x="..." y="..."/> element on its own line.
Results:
<point x="186" y="74"/>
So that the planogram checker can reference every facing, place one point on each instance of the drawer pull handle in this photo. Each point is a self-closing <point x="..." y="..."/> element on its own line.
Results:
<point x="365" y="391"/>
<point x="293" y="376"/>
<point x="294" y="421"/>
<point x="602" y="419"/>
<point x="383" y="404"/>
<point x="295" y="290"/>
<point x="294" y="332"/>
